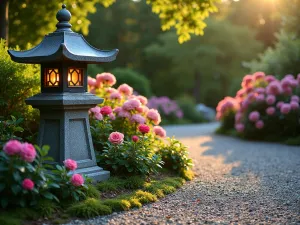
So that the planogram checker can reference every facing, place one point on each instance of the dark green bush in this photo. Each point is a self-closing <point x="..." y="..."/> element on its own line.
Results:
<point x="134" y="79"/>
<point x="19" y="81"/>
<point x="188" y="107"/>
<point x="175" y="156"/>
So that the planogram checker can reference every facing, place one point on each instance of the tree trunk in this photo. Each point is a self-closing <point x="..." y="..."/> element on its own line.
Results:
<point x="197" y="87"/>
<point x="4" y="20"/>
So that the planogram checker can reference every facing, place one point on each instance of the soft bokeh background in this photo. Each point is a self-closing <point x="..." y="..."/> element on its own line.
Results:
<point x="244" y="36"/>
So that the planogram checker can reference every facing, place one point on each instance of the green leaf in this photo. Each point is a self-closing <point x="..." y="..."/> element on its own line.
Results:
<point x="2" y="186"/>
<point x="4" y="202"/>
<point x="48" y="195"/>
<point x="16" y="189"/>
<point x="17" y="176"/>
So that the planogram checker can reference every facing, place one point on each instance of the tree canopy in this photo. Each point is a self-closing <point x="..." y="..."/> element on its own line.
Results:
<point x="30" y="20"/>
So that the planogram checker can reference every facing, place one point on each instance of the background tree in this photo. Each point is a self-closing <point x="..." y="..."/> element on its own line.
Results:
<point x="36" y="18"/>
<point x="204" y="65"/>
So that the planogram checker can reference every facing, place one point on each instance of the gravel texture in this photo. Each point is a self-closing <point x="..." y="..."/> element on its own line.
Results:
<point x="238" y="182"/>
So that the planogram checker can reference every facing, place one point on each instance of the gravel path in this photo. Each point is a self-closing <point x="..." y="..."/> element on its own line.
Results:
<point x="237" y="182"/>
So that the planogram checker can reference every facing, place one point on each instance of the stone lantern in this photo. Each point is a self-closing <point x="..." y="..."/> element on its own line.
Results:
<point x="64" y="101"/>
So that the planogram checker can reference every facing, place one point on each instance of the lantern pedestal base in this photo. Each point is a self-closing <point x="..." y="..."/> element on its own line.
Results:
<point x="64" y="126"/>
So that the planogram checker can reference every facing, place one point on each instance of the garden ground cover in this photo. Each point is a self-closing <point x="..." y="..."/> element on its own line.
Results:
<point x="237" y="182"/>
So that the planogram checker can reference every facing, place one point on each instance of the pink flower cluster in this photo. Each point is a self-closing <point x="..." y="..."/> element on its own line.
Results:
<point x="276" y="97"/>
<point x="165" y="106"/>
<point x="227" y="105"/>
<point x="25" y="150"/>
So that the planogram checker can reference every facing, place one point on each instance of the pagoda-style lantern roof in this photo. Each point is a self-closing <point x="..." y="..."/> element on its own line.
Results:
<point x="63" y="45"/>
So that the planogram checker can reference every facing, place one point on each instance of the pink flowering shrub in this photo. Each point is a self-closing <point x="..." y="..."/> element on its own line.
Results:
<point x="125" y="128"/>
<point x="264" y="108"/>
<point x="24" y="179"/>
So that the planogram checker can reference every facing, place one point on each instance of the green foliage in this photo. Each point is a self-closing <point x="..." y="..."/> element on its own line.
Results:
<point x="187" y="174"/>
<point x="227" y="122"/>
<point x="209" y="65"/>
<point x="6" y="219"/>
<point x="134" y="79"/>
<point x="21" y="81"/>
<point x="23" y="15"/>
<point x="281" y="59"/>
<point x="188" y="108"/>
<point x="91" y="192"/>
<point x="117" y="205"/>
<point x="14" y="170"/>
<point x="46" y="208"/>
<point x="9" y="128"/>
<point x="131" y="157"/>
<point x="187" y="17"/>
<point x="145" y="197"/>
<point x="175" y="155"/>
<point x="112" y="184"/>
<point x="134" y="182"/>
<point x="89" y="208"/>
<point x="293" y="141"/>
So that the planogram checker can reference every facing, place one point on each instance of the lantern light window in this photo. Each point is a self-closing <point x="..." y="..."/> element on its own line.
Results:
<point x="75" y="77"/>
<point x="51" y="77"/>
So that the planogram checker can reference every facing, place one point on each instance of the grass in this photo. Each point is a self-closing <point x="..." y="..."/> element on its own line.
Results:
<point x="129" y="192"/>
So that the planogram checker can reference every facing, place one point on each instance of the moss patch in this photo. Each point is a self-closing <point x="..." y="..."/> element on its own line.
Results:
<point x="117" y="204"/>
<point x="89" y="208"/>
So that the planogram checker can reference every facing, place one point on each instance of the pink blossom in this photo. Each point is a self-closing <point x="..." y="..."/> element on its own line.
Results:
<point x="116" y="138"/>
<point x="249" y="90"/>
<point x="137" y="118"/>
<point x="28" y="184"/>
<point x="124" y="114"/>
<point x="92" y="90"/>
<point x="285" y="108"/>
<point x="295" y="98"/>
<point x="117" y="109"/>
<point x="260" y="90"/>
<point x="254" y="116"/>
<point x="159" y="131"/>
<point x="70" y="164"/>
<point x="269" y="78"/>
<point x="279" y="104"/>
<point x="274" y="88"/>
<point x="106" y="78"/>
<point x="142" y="99"/>
<point x="125" y="89"/>
<point x="111" y="90"/>
<point x="154" y="115"/>
<point x="247" y="80"/>
<point x="270" y="99"/>
<point x="258" y="75"/>
<point x="131" y="104"/>
<point x="77" y="180"/>
<point x="260" y="98"/>
<point x="259" y="124"/>
<point x="143" y="128"/>
<point x="95" y="109"/>
<point x="135" y="138"/>
<point x="294" y="105"/>
<point x="91" y="82"/>
<point x="294" y="83"/>
<point x="140" y="109"/>
<point x="287" y="90"/>
<point x="238" y="117"/>
<point x="106" y="110"/>
<point x="28" y="152"/>
<point x="115" y="95"/>
<point x="12" y="147"/>
<point x="270" y="111"/>
<point x="251" y="97"/>
<point x="98" y="116"/>
<point x="240" y="127"/>
<point x="285" y="83"/>
<point x="112" y="116"/>
<point x="298" y="79"/>
<point x="241" y="93"/>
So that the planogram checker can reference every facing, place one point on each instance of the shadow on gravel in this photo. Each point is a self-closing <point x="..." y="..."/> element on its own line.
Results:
<point x="276" y="166"/>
